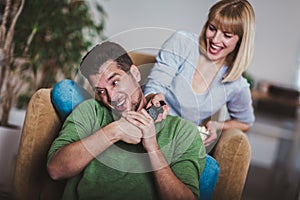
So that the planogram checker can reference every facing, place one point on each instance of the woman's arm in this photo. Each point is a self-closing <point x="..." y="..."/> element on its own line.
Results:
<point x="168" y="61"/>
<point x="214" y="126"/>
<point x="240" y="111"/>
<point x="154" y="99"/>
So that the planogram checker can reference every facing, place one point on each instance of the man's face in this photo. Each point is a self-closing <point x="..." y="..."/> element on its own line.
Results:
<point x="117" y="89"/>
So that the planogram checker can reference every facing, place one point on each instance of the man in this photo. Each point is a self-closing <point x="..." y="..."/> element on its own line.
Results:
<point x="110" y="148"/>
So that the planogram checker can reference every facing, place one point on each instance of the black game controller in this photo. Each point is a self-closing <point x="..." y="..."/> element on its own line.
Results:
<point x="154" y="111"/>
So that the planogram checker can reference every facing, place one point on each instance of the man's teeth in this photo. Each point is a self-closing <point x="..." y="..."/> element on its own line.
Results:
<point x="120" y="103"/>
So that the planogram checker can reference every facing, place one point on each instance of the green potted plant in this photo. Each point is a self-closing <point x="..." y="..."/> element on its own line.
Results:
<point x="11" y="11"/>
<point x="41" y="42"/>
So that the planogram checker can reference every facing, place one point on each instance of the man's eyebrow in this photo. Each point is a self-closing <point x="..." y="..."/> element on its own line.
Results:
<point x="111" y="76"/>
<point x="97" y="88"/>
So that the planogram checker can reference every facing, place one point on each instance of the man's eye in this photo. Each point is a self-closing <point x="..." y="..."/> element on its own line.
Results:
<point x="115" y="83"/>
<point x="100" y="92"/>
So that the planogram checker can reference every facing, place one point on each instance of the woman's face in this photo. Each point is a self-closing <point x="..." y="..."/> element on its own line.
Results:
<point x="219" y="43"/>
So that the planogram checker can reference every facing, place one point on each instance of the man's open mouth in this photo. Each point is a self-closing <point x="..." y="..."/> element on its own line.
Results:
<point x="119" y="105"/>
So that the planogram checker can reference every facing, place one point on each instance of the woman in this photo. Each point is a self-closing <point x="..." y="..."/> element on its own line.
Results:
<point x="199" y="75"/>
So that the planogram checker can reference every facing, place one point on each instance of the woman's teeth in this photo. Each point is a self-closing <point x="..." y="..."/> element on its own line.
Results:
<point x="215" y="47"/>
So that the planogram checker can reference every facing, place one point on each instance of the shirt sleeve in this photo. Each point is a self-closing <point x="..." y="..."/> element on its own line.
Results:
<point x="168" y="62"/>
<point x="189" y="155"/>
<point x="82" y="122"/>
<point x="240" y="104"/>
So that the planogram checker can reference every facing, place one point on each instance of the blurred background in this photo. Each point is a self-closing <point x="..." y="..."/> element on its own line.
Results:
<point x="50" y="37"/>
<point x="277" y="42"/>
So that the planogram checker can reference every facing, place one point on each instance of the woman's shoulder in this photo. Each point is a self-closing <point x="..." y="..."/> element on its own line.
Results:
<point x="237" y="86"/>
<point x="184" y="35"/>
<point x="182" y="43"/>
<point x="242" y="82"/>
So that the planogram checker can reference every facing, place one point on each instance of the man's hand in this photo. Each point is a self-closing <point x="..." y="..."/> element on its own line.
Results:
<point x="145" y="123"/>
<point x="169" y="186"/>
<point x="127" y="132"/>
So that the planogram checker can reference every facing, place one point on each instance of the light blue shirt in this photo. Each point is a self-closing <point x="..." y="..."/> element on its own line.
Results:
<point x="172" y="75"/>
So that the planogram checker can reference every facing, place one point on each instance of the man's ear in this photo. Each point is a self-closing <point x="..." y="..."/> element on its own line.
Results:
<point x="135" y="73"/>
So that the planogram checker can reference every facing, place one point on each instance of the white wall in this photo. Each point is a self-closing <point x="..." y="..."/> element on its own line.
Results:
<point x="277" y="44"/>
<point x="144" y="24"/>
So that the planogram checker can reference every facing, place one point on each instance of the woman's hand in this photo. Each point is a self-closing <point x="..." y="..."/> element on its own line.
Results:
<point x="154" y="99"/>
<point x="212" y="127"/>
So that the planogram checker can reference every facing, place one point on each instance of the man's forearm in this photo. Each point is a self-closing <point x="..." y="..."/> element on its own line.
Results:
<point x="169" y="186"/>
<point x="70" y="160"/>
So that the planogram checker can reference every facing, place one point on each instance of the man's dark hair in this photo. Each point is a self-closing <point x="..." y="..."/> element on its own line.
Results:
<point x="101" y="53"/>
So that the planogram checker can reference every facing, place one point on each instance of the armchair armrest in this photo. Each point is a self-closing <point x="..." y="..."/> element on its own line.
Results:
<point x="233" y="152"/>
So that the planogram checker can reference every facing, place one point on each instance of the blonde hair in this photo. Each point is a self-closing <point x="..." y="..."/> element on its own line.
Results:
<point x="236" y="16"/>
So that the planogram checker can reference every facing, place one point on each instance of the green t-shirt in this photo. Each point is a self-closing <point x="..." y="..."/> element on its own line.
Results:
<point x="123" y="171"/>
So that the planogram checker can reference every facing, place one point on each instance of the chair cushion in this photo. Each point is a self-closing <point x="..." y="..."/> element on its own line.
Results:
<point x="208" y="178"/>
<point x="66" y="95"/>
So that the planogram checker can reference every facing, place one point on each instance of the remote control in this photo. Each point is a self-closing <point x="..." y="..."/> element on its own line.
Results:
<point x="203" y="132"/>
<point x="154" y="111"/>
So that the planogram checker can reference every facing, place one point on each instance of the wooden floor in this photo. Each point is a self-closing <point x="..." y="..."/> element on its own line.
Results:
<point x="4" y="196"/>
<point x="280" y="178"/>
<point x="273" y="184"/>
<point x="276" y="181"/>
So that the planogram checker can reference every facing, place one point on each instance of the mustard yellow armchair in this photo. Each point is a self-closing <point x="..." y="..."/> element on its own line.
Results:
<point x="42" y="124"/>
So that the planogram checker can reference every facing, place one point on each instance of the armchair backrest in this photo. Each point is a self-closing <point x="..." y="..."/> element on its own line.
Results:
<point x="41" y="126"/>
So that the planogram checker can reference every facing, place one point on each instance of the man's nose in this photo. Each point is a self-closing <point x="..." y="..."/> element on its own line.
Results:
<point x="108" y="94"/>
<point x="112" y="93"/>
